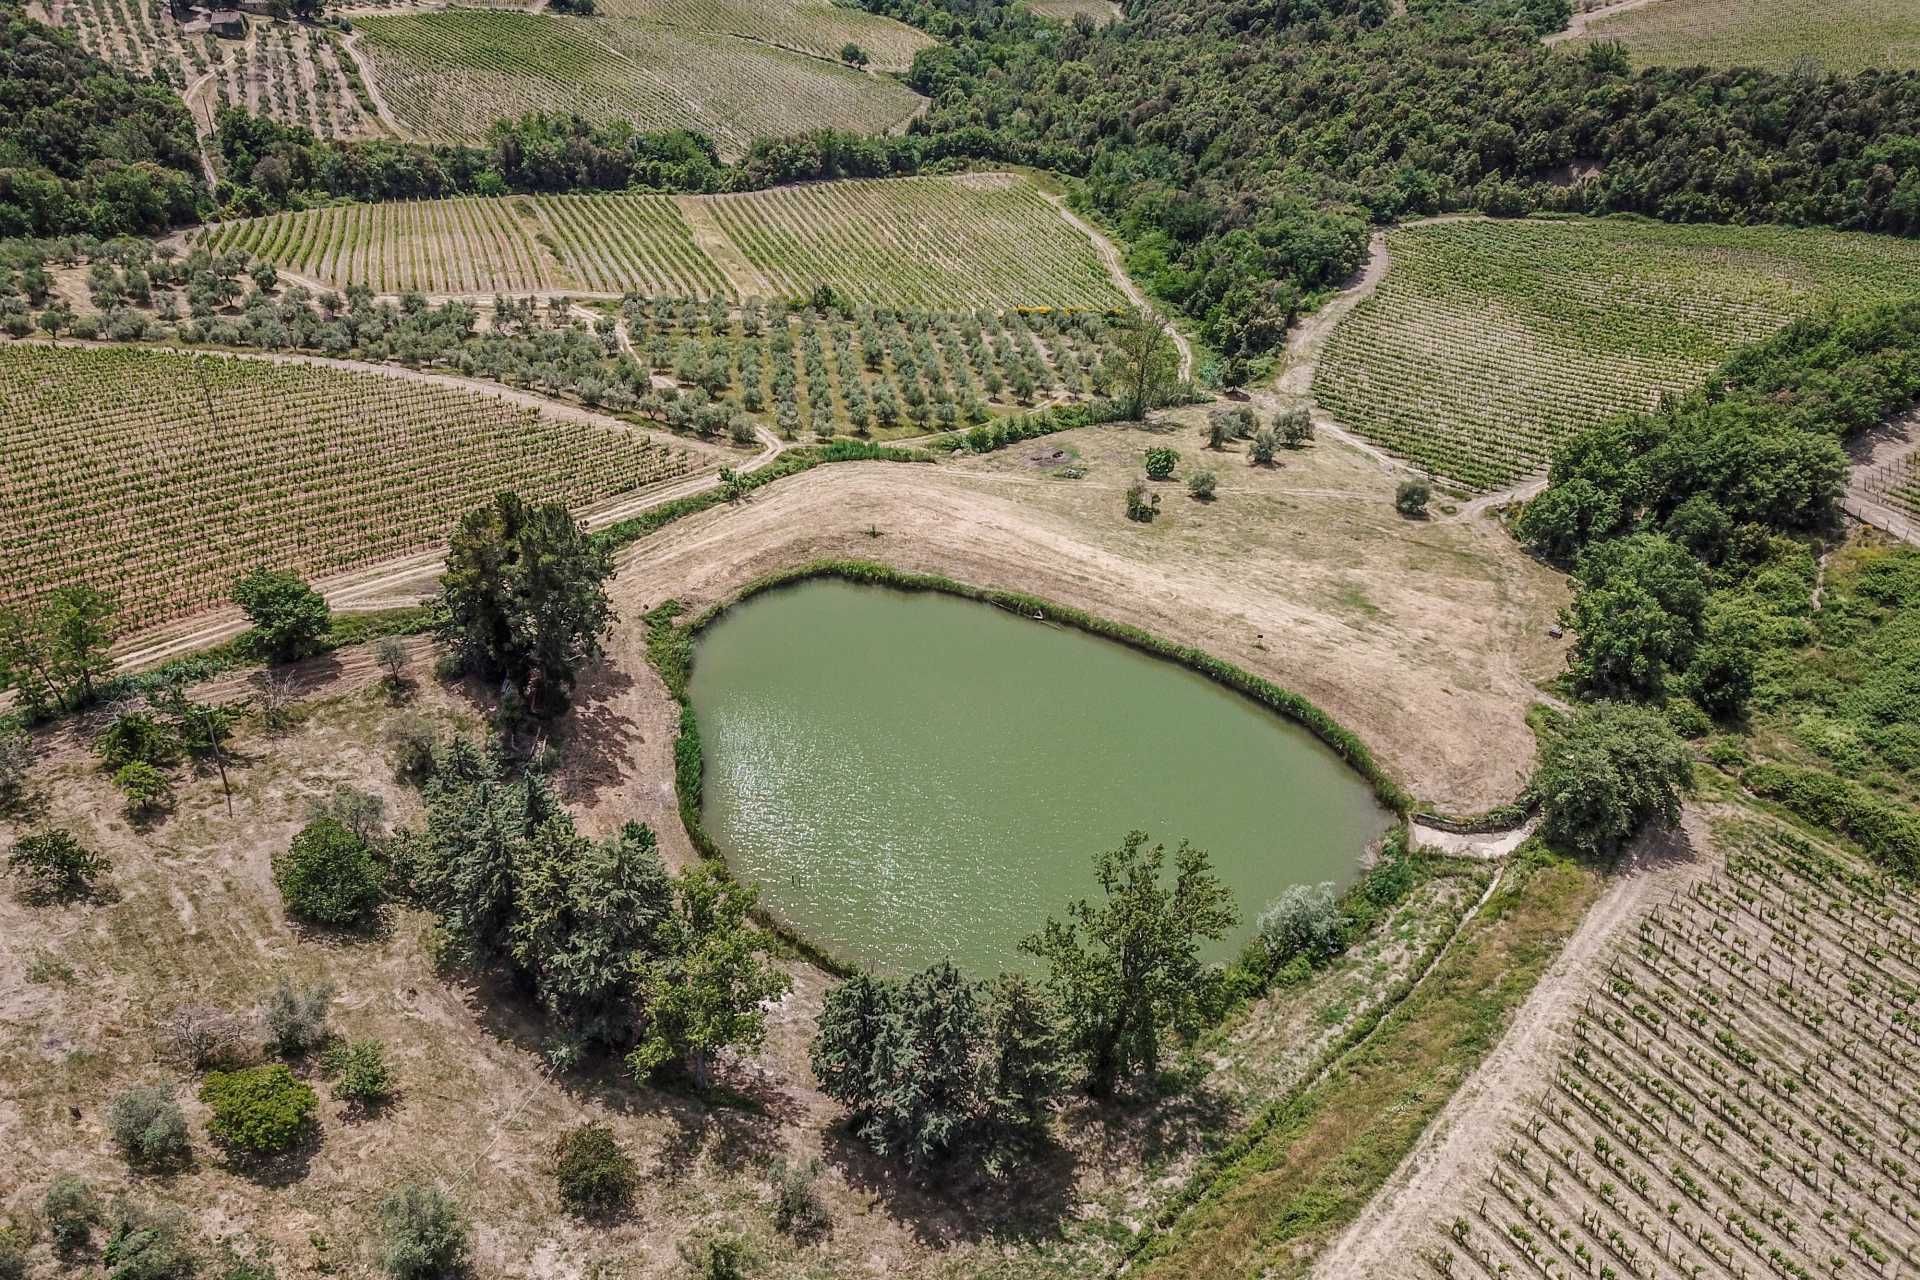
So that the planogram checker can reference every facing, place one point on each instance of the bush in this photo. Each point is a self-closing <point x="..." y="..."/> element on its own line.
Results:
<point x="149" y="1128"/>
<point x="71" y="1211"/>
<point x="16" y="753"/>
<point x="390" y="653"/>
<point x="13" y="1255"/>
<point x="147" y="790"/>
<point x="1303" y="921"/>
<point x="296" y="1017"/>
<point x="1614" y="769"/>
<point x="596" y="1177"/>
<point x="290" y="619"/>
<point x="1201" y="484"/>
<point x="724" y="1256"/>
<point x="202" y="1036"/>
<point x="1141" y="506"/>
<point x="412" y="741"/>
<point x="55" y="865"/>
<point x="136" y="737"/>
<point x="423" y="1235"/>
<point x="1261" y="448"/>
<point x="1411" y="498"/>
<point x="328" y="877"/>
<point x="359" y="1072"/>
<point x="1294" y="427"/>
<point x="1161" y="462"/>
<point x="797" y="1208"/>
<point x="147" y="1246"/>
<point x="259" y="1111"/>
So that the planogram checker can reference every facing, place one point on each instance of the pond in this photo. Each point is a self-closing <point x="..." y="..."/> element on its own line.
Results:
<point x="909" y="777"/>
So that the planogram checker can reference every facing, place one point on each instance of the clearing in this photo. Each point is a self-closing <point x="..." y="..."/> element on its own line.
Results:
<point x="973" y="240"/>
<point x="159" y="477"/>
<point x="1489" y="342"/>
<point x="449" y="74"/>
<point x="1834" y="35"/>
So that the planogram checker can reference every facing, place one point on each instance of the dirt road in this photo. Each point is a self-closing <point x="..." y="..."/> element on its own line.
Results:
<point x="1110" y="255"/>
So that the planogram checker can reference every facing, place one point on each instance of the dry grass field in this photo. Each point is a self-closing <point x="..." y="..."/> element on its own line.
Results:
<point x="1834" y="35"/>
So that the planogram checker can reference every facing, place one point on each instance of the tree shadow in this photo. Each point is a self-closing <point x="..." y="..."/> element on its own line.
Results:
<point x="596" y="740"/>
<point x="960" y="1204"/>
<point x="283" y="1169"/>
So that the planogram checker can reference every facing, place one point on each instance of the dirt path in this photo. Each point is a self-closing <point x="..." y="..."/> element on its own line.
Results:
<point x="726" y="255"/>
<point x="350" y="45"/>
<point x="1116" y="268"/>
<point x="195" y="95"/>
<point x="1874" y="453"/>
<point x="1577" y="26"/>
<point x="1381" y="1241"/>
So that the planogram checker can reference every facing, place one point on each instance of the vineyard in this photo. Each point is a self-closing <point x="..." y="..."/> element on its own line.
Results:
<point x="158" y="477"/>
<point x="1837" y="35"/>
<point x="294" y="73"/>
<point x="1738" y="1098"/>
<point x="1488" y="342"/>
<point x="980" y="240"/>
<point x="1895" y="484"/>
<point x="449" y="74"/>
<point x="1100" y="12"/>
<point x="983" y="240"/>
<point x="817" y="27"/>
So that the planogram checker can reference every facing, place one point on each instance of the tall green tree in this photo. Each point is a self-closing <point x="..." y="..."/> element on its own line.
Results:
<point x="1145" y="362"/>
<point x="703" y="988"/>
<point x="1615" y="769"/>
<point x="525" y="598"/>
<point x="290" y="619"/>
<point x="1127" y="969"/>
<point x="55" y="655"/>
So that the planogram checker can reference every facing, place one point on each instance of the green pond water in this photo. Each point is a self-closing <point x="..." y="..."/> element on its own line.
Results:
<point x="909" y="777"/>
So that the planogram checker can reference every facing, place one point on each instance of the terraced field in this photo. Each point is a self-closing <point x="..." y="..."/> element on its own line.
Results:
<point x="158" y="477"/>
<point x="1488" y="342"/>
<point x="817" y="27"/>
<point x="1837" y="35"/>
<point x="292" y="72"/>
<point x="449" y="74"/>
<point x="981" y="240"/>
<point x="1735" y="1098"/>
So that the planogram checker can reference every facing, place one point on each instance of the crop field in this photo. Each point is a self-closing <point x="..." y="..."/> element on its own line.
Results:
<point x="817" y="27"/>
<point x="290" y="72"/>
<point x="1737" y="1097"/>
<point x="476" y="245"/>
<point x="982" y="240"/>
<point x="449" y="74"/>
<point x="1488" y="342"/>
<point x="886" y="373"/>
<point x="1101" y="11"/>
<point x="1837" y="35"/>
<point x="158" y="477"/>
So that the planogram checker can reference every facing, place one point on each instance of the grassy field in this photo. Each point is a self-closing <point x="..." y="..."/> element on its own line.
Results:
<point x="817" y="27"/>
<point x="294" y="73"/>
<point x="978" y="240"/>
<point x="159" y="477"/>
<point x="449" y="74"/>
<point x="1488" y="342"/>
<point x="1836" y="35"/>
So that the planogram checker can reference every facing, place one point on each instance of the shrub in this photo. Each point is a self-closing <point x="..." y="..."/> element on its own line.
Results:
<point x="412" y="741"/>
<point x="1303" y="921"/>
<point x="723" y="1256"/>
<point x="259" y="1111"/>
<point x="596" y="1177"/>
<point x="136" y="737"/>
<point x="296" y="1017"/>
<point x="1142" y="506"/>
<point x="390" y="653"/>
<point x="1261" y="448"/>
<point x="13" y="1255"/>
<point x="328" y="877"/>
<point x="1613" y="770"/>
<point x="1201" y="484"/>
<point x="1411" y="498"/>
<point x="55" y="865"/>
<point x="1294" y="427"/>
<point x="359" y="1072"/>
<point x="362" y="813"/>
<point x="423" y="1235"/>
<point x="147" y="790"/>
<point x="797" y="1207"/>
<point x="202" y="1036"/>
<point x="290" y="619"/>
<point x="147" y="1246"/>
<point x="71" y="1211"/>
<point x="16" y="753"/>
<point x="149" y="1128"/>
<point x="1161" y="462"/>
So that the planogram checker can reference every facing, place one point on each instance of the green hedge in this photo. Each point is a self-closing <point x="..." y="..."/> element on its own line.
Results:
<point x="1889" y="834"/>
